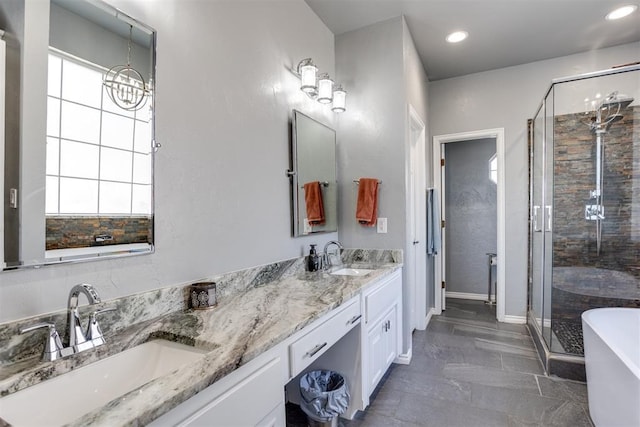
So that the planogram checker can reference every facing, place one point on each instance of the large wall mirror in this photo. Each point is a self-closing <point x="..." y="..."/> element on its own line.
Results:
<point x="78" y="180"/>
<point x="313" y="176"/>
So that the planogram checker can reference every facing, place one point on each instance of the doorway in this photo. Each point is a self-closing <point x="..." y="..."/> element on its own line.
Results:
<point x="461" y="201"/>
<point x="470" y="215"/>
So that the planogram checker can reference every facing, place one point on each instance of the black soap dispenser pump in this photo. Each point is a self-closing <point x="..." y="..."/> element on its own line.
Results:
<point x="313" y="260"/>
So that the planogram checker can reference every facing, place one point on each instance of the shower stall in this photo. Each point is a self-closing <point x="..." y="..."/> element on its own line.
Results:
<point x="584" y="196"/>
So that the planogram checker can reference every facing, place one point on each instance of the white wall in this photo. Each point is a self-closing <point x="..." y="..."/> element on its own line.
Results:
<point x="507" y="98"/>
<point x="380" y="67"/>
<point x="223" y="104"/>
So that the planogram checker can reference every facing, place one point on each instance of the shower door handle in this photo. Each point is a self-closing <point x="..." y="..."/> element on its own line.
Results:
<point x="549" y="222"/>
<point x="536" y="226"/>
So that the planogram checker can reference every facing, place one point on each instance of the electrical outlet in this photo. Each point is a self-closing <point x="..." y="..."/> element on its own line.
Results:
<point x="382" y="225"/>
<point x="307" y="227"/>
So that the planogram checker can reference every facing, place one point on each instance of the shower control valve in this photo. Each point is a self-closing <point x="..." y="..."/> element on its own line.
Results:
<point x="594" y="212"/>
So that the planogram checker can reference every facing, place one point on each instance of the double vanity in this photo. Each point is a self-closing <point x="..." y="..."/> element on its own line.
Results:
<point x="236" y="364"/>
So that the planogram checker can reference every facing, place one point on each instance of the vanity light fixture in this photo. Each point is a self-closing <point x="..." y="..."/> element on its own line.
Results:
<point x="308" y="71"/>
<point x="124" y="85"/>
<point x="339" y="100"/>
<point x="621" y="12"/>
<point x="325" y="89"/>
<point x="457" y="36"/>
<point x="320" y="87"/>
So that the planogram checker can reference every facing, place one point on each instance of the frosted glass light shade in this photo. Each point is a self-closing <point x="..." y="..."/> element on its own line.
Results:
<point x="325" y="89"/>
<point x="308" y="72"/>
<point x="339" y="100"/>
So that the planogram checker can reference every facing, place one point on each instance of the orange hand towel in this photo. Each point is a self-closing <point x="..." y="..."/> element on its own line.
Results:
<point x="367" y="208"/>
<point x="313" y="201"/>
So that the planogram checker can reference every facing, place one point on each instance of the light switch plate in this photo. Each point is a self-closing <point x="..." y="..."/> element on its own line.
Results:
<point x="382" y="225"/>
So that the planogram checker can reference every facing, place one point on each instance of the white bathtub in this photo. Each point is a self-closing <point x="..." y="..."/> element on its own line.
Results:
<point x="612" y="359"/>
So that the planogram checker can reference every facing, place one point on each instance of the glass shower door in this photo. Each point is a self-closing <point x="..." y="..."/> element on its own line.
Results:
<point x="536" y="234"/>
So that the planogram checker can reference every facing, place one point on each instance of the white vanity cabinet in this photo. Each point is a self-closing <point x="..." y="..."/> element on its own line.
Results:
<point x="382" y="305"/>
<point x="250" y="396"/>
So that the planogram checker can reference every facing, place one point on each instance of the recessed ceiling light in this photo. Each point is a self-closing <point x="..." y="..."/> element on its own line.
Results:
<point x="457" y="36"/>
<point x="621" y="12"/>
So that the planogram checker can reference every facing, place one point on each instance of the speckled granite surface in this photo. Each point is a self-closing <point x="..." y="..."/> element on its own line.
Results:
<point x="257" y="309"/>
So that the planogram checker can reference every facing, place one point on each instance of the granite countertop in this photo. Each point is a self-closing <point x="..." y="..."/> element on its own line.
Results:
<point x="244" y="325"/>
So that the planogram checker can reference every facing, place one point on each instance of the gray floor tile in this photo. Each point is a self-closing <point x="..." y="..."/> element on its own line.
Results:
<point x="528" y="365"/>
<point x="439" y="413"/>
<point x="378" y="420"/>
<point x="523" y="407"/>
<point x="563" y="389"/>
<point x="385" y="402"/>
<point x="491" y="377"/>
<point x="429" y="386"/>
<point x="514" y="349"/>
<point x="490" y="334"/>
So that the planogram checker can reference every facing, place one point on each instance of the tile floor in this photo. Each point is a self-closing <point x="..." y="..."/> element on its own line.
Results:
<point x="469" y="370"/>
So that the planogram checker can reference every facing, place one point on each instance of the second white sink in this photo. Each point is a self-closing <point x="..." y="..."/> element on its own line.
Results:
<point x="67" y="397"/>
<point x="352" y="272"/>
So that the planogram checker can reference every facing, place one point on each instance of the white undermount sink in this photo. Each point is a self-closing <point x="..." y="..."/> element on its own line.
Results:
<point x="352" y="272"/>
<point x="67" y="397"/>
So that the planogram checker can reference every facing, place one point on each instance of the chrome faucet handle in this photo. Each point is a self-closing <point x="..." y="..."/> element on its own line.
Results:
<point x="53" y="346"/>
<point x="94" y="333"/>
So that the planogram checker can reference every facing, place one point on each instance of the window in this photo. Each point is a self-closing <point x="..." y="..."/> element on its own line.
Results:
<point x="493" y="168"/>
<point x="98" y="156"/>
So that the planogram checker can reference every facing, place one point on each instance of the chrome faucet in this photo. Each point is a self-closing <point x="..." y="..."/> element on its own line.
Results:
<point x="78" y="340"/>
<point x="327" y="256"/>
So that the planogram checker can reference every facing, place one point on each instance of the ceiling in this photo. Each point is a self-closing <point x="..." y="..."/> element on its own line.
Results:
<point x="502" y="33"/>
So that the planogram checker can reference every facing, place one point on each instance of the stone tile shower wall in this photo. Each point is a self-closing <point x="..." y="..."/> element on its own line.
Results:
<point x="574" y="237"/>
<point x="65" y="232"/>
<point x="574" y="242"/>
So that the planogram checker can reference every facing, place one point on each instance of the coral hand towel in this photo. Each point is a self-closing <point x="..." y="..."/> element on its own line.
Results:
<point x="367" y="208"/>
<point x="313" y="201"/>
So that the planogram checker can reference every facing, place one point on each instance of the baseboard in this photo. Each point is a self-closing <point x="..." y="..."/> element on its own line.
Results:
<point x="404" y="358"/>
<point x="520" y="320"/>
<point x="466" y="295"/>
<point x="430" y="314"/>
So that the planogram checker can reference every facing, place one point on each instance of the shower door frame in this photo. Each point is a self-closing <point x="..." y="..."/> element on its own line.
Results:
<point x="550" y="358"/>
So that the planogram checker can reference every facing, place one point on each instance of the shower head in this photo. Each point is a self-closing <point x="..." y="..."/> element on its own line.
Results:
<point x="616" y="100"/>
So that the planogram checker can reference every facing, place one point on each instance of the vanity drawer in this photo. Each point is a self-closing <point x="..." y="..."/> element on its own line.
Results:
<point x="315" y="343"/>
<point x="382" y="296"/>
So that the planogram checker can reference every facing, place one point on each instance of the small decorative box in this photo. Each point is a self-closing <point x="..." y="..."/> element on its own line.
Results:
<point x="203" y="295"/>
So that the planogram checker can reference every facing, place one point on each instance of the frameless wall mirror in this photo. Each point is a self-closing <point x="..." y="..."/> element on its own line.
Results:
<point x="82" y="188"/>
<point x="313" y="176"/>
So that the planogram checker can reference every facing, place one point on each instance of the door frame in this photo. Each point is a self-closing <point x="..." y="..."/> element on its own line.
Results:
<point x="416" y="219"/>
<point x="438" y="180"/>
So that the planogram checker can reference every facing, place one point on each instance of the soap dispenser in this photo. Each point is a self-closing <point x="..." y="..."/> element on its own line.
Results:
<point x="313" y="260"/>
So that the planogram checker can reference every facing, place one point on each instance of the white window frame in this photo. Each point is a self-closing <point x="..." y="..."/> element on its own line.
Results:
<point x="134" y="116"/>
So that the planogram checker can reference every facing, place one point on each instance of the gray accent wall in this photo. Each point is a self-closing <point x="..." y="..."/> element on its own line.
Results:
<point x="470" y="214"/>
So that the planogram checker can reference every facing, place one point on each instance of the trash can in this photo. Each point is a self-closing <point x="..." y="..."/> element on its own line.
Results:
<point x="324" y="396"/>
